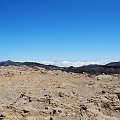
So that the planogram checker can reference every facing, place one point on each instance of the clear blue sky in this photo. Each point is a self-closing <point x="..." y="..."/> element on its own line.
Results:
<point x="60" y="30"/>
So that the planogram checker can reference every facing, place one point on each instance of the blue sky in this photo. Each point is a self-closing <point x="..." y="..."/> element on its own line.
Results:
<point x="57" y="30"/>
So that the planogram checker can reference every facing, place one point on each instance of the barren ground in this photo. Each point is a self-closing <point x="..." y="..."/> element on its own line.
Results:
<point x="38" y="94"/>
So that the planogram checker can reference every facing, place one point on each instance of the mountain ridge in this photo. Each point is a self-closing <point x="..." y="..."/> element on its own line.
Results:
<point x="110" y="68"/>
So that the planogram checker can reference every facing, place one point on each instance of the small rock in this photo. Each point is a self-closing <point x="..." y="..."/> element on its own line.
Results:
<point x="1" y="116"/>
<point x="54" y="112"/>
<point x="118" y="94"/>
<point x="61" y="94"/>
<point x="25" y="111"/>
<point x="51" y="118"/>
<point x="46" y="108"/>
<point x="103" y="92"/>
<point x="83" y="107"/>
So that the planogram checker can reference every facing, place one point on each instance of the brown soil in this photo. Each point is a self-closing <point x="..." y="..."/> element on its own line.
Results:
<point x="38" y="94"/>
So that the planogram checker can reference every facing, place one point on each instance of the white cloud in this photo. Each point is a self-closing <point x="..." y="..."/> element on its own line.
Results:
<point x="75" y="63"/>
<point x="70" y="63"/>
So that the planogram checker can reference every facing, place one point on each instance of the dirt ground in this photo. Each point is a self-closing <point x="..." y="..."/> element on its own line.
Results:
<point x="38" y="94"/>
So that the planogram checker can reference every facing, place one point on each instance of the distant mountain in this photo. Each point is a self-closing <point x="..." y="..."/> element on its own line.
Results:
<point x="114" y="64"/>
<point x="29" y="64"/>
<point x="10" y="63"/>
<point x="111" y="68"/>
<point x="95" y="69"/>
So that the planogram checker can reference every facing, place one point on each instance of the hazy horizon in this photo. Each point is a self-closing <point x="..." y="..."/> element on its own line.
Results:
<point x="67" y="63"/>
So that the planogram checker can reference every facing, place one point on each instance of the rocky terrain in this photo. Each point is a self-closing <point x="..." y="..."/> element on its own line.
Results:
<point x="36" y="93"/>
